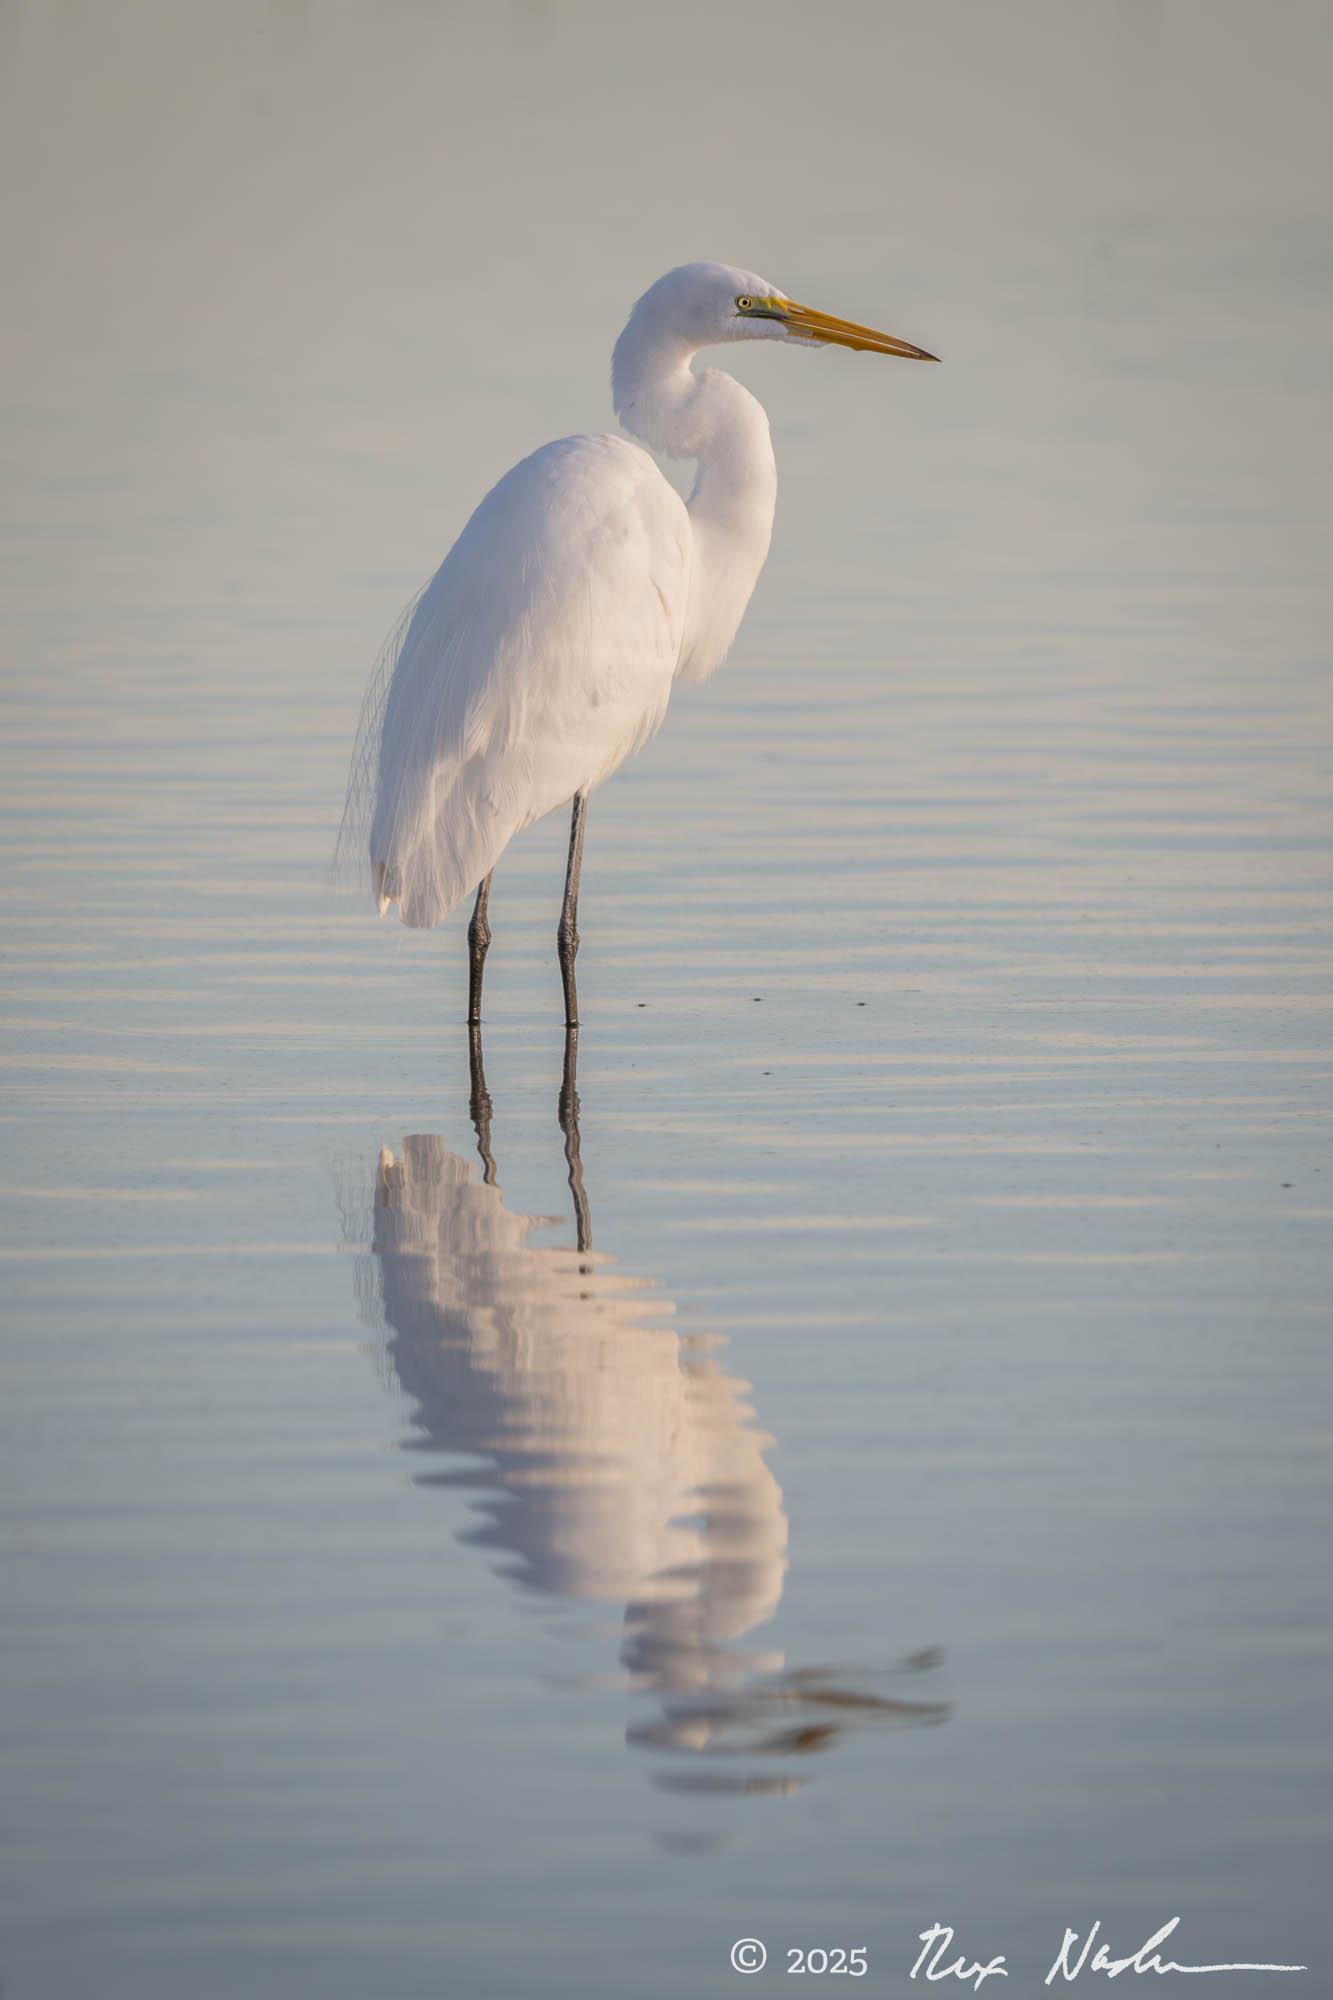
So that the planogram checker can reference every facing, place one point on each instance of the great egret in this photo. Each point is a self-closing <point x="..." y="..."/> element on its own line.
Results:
<point x="544" y="649"/>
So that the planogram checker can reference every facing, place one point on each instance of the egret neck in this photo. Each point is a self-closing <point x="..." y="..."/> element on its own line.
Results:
<point x="707" y="415"/>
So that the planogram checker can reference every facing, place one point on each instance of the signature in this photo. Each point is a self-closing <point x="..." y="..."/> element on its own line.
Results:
<point x="1146" y="1959"/>
<point x="1075" y="1955"/>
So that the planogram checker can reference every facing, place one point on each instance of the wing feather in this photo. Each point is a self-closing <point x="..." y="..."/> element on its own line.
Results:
<point x="540" y="655"/>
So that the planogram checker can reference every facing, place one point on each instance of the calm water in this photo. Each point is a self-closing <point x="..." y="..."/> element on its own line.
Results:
<point x="868" y="1463"/>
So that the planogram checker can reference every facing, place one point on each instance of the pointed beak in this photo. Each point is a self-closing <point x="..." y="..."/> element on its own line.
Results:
<point x="807" y="324"/>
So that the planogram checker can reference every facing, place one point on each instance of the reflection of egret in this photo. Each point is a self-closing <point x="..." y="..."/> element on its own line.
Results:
<point x="617" y="1458"/>
<point x="620" y="1464"/>
<point x="543" y="651"/>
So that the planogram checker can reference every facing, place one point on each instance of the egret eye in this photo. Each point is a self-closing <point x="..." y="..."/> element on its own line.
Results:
<point x="744" y="304"/>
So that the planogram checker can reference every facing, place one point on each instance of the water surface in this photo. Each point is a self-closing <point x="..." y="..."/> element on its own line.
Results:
<point x="870" y="1467"/>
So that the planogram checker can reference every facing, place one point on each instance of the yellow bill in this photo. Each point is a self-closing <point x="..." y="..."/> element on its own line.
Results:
<point x="807" y="324"/>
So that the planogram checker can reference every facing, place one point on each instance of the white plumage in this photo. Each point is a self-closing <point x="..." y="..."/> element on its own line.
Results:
<point x="537" y="659"/>
<point x="543" y="651"/>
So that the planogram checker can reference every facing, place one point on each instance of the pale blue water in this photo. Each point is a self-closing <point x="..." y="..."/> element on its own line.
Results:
<point x="915" y="1506"/>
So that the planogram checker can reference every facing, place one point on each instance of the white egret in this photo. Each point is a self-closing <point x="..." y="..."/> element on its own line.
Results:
<point x="544" y="650"/>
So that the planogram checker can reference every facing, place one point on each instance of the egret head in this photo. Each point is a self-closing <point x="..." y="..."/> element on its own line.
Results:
<point x="703" y="305"/>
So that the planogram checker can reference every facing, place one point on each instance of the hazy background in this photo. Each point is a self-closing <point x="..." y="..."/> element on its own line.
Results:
<point x="956" y="977"/>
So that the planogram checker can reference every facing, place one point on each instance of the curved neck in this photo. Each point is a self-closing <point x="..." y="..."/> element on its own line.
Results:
<point x="710" y="417"/>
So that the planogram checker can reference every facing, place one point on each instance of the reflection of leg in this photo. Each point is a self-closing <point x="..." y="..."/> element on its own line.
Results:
<point x="567" y="937"/>
<point x="478" y="944"/>
<point x="481" y="1105"/>
<point x="569" y="1125"/>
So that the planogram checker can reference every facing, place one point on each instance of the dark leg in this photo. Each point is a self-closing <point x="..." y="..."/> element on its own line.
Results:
<point x="481" y="1107"/>
<point x="567" y="937"/>
<point x="569" y="1125"/>
<point x="478" y="943"/>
